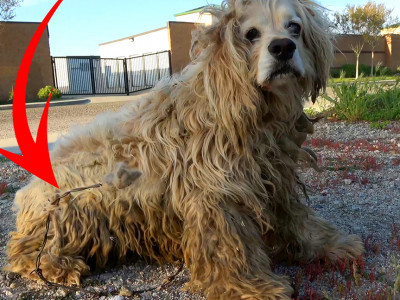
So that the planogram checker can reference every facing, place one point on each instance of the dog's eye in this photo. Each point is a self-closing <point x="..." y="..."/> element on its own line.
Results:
<point x="252" y="34"/>
<point x="294" y="28"/>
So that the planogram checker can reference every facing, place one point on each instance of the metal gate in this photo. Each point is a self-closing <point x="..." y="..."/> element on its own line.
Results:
<point x="84" y="75"/>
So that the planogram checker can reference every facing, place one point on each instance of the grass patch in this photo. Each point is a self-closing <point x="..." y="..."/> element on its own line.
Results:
<point x="3" y="159"/>
<point x="379" y="125"/>
<point x="366" y="100"/>
<point x="362" y="79"/>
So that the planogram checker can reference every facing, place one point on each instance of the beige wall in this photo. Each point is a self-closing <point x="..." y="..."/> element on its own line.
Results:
<point x="393" y="50"/>
<point x="386" y="53"/>
<point x="14" y="39"/>
<point x="180" y="36"/>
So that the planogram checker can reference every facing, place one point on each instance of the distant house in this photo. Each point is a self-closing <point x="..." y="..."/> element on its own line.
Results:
<point x="392" y="29"/>
<point x="175" y="37"/>
<point x="195" y="16"/>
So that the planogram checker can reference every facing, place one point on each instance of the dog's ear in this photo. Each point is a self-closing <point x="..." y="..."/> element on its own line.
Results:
<point x="225" y="72"/>
<point x="228" y="67"/>
<point x="318" y="40"/>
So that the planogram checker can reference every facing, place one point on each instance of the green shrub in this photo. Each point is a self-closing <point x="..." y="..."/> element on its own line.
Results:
<point x="350" y="70"/>
<point x="367" y="100"/>
<point x="11" y="94"/>
<point x="335" y="73"/>
<point x="379" y="124"/>
<point x="311" y="112"/>
<point x="44" y="93"/>
<point x="385" y="71"/>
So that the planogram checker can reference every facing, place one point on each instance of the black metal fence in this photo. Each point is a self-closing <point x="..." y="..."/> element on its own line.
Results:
<point x="81" y="75"/>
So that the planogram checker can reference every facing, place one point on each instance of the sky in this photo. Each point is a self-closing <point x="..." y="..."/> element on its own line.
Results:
<point x="79" y="26"/>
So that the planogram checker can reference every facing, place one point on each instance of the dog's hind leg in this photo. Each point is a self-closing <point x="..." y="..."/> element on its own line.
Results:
<point x="309" y="237"/>
<point x="225" y="253"/>
<point x="59" y="261"/>
<point x="78" y="230"/>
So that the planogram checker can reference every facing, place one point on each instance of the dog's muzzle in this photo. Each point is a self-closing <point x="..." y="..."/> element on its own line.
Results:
<point x="282" y="49"/>
<point x="284" y="67"/>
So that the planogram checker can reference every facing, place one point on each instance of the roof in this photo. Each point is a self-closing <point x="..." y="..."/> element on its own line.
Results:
<point x="133" y="36"/>
<point x="195" y="10"/>
<point x="19" y="22"/>
<point x="393" y="26"/>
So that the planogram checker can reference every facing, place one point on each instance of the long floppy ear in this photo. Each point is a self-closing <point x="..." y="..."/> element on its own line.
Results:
<point x="318" y="40"/>
<point x="226" y="77"/>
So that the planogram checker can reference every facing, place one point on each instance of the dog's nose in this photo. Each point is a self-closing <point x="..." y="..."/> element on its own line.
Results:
<point x="282" y="49"/>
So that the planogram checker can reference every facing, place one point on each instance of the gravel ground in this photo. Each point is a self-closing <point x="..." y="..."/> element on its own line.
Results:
<point x="358" y="191"/>
<point x="60" y="117"/>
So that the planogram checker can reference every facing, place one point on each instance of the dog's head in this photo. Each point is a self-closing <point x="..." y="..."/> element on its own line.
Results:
<point x="282" y="43"/>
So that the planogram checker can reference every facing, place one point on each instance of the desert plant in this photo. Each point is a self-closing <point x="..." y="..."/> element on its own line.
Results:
<point x="44" y="93"/>
<point x="366" y="100"/>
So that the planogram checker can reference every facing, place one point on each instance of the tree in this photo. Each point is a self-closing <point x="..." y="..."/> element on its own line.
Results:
<point x="357" y="49"/>
<point x="7" y="9"/>
<point x="345" y="23"/>
<point x="367" y="20"/>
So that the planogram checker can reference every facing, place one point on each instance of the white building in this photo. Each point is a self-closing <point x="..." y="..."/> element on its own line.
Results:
<point x="153" y="41"/>
<point x="195" y="16"/>
<point x="135" y="45"/>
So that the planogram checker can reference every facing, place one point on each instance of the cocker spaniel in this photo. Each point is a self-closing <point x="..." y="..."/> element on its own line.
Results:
<point x="203" y="168"/>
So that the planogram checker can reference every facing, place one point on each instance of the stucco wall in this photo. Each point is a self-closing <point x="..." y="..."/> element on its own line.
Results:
<point x="393" y="51"/>
<point x="14" y="39"/>
<point x="345" y="55"/>
<point x="180" y="36"/>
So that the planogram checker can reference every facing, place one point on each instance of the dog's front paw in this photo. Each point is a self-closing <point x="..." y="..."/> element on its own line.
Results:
<point x="345" y="247"/>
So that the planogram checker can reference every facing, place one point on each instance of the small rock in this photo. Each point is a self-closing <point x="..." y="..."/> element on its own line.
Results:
<point x="61" y="293"/>
<point x="13" y="285"/>
<point x="4" y="196"/>
<point x="124" y="291"/>
<point x="347" y="181"/>
<point x="117" y="298"/>
<point x="8" y="293"/>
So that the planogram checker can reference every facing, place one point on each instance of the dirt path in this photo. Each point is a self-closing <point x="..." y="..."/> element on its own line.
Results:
<point x="60" y="117"/>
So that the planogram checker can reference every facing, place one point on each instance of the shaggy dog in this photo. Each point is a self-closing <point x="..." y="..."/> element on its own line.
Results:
<point x="203" y="168"/>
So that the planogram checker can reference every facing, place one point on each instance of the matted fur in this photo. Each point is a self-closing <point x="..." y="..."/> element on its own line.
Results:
<point x="217" y="163"/>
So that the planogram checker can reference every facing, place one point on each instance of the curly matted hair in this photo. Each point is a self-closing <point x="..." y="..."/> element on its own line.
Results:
<point x="203" y="168"/>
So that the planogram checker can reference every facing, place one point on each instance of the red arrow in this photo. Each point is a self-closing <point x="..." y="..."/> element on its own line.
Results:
<point x="35" y="157"/>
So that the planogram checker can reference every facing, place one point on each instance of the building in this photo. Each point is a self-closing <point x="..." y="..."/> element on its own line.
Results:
<point x="195" y="16"/>
<point x="387" y="51"/>
<point x="174" y="37"/>
<point x="393" y="29"/>
<point x="15" y="37"/>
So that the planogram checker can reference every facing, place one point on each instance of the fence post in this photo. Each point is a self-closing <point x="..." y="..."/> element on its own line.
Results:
<point x="144" y="71"/>
<point x="126" y="77"/>
<point x="92" y="75"/>
<point x="53" y="69"/>
<point x="158" y="66"/>
<point x="170" y="62"/>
